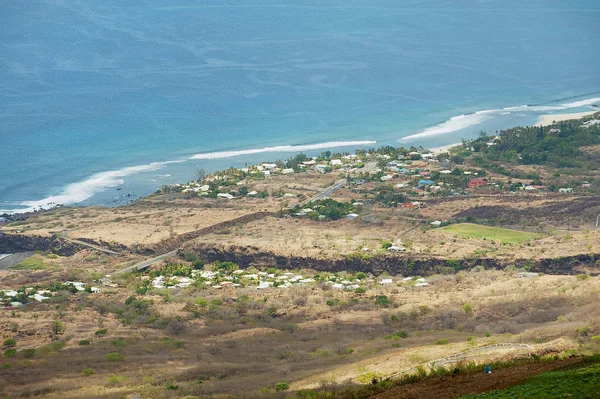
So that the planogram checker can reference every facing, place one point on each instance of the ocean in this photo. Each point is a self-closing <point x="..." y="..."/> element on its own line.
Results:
<point x="102" y="102"/>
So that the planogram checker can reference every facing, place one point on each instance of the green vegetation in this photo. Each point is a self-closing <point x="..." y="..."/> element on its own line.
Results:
<point x="32" y="263"/>
<point x="101" y="331"/>
<point x="556" y="146"/>
<point x="87" y="372"/>
<point x="114" y="357"/>
<point x="282" y="386"/>
<point x="491" y="233"/>
<point x="9" y="343"/>
<point x="325" y="209"/>
<point x="580" y="383"/>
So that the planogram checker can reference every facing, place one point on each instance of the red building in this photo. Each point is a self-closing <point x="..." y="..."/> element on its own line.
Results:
<point x="477" y="183"/>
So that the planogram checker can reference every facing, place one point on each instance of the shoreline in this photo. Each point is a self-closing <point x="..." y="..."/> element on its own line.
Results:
<point x="550" y="119"/>
<point x="444" y="148"/>
<point x="76" y="193"/>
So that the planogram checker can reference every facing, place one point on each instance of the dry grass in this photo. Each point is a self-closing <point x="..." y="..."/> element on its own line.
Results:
<point x="238" y="351"/>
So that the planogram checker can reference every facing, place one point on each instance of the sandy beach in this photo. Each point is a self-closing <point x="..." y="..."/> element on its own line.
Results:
<point x="547" y="120"/>
<point x="445" y="148"/>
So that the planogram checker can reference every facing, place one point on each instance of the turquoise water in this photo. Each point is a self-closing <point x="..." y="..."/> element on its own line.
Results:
<point x="97" y="96"/>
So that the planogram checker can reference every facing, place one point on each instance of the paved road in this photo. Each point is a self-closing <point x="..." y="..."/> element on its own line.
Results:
<point x="327" y="192"/>
<point x="92" y="246"/>
<point x="148" y="262"/>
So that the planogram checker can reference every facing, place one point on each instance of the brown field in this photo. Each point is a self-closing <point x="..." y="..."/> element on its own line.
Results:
<point x="235" y="347"/>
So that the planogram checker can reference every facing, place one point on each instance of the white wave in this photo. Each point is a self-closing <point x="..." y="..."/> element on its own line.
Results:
<point x="461" y="122"/>
<point x="452" y="125"/>
<point x="282" y="148"/>
<point x="80" y="191"/>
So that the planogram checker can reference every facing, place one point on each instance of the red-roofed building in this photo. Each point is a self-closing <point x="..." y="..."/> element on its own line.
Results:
<point x="477" y="183"/>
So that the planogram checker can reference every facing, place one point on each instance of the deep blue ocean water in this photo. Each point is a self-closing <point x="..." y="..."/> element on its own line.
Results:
<point x="96" y="96"/>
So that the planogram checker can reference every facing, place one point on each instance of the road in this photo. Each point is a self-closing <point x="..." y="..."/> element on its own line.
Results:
<point x="327" y="192"/>
<point x="148" y="262"/>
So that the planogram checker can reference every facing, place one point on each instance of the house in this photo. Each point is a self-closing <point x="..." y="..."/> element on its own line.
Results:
<point x="424" y="182"/>
<point x="436" y="223"/>
<point x="335" y="162"/>
<point x="527" y="275"/>
<point x="386" y="281"/>
<point x="409" y="205"/>
<point x="351" y="216"/>
<point x="269" y="165"/>
<point x="427" y="156"/>
<point x="473" y="183"/>
<point x="386" y="178"/>
<point x="591" y="123"/>
<point x="225" y="195"/>
<point x="287" y="171"/>
<point x="445" y="172"/>
<point x="565" y="190"/>
<point x="395" y="248"/>
<point x="309" y="163"/>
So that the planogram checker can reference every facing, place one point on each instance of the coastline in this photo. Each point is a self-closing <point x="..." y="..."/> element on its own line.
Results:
<point x="444" y="148"/>
<point x="547" y="120"/>
<point x="78" y="192"/>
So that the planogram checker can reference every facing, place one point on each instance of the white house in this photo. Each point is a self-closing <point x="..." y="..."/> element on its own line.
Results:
<point x="386" y="281"/>
<point x="225" y="195"/>
<point x="335" y="162"/>
<point x="287" y="171"/>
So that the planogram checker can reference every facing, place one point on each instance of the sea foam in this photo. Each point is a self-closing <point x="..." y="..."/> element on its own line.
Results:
<point x="461" y="122"/>
<point x="78" y="192"/>
<point x="282" y="148"/>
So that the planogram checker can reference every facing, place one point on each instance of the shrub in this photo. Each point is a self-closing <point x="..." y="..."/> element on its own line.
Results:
<point x="114" y="357"/>
<point x="179" y="344"/>
<point x="360" y="290"/>
<point x="383" y="300"/>
<point x="87" y="372"/>
<point x="9" y="343"/>
<point x="468" y="308"/>
<point x="85" y="342"/>
<point x="202" y="302"/>
<point x="116" y="379"/>
<point x="360" y="276"/>
<point x="386" y="245"/>
<point x="119" y="343"/>
<point x="441" y="342"/>
<point x="332" y="302"/>
<point x="282" y="386"/>
<point x="171" y="385"/>
<point x="29" y="353"/>
<point x="582" y="277"/>
<point x="102" y="331"/>
<point x="11" y="352"/>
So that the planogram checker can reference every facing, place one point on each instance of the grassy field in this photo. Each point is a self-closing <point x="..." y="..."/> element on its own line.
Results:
<point x="491" y="233"/>
<point x="580" y="383"/>
<point x="31" y="263"/>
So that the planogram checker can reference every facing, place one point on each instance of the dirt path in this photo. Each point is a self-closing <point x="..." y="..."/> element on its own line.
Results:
<point x="465" y="384"/>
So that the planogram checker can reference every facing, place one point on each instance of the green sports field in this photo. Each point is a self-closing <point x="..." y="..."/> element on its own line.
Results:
<point x="491" y="233"/>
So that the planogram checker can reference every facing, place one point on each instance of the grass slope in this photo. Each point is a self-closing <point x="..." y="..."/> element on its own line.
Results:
<point x="580" y="383"/>
<point x="491" y="233"/>
<point x="31" y="263"/>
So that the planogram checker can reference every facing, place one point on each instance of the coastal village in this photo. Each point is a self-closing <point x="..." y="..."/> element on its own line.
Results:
<point x="341" y="267"/>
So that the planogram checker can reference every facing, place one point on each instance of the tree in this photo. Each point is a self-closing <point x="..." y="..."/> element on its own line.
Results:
<point x="200" y="175"/>
<point x="468" y="308"/>
<point x="56" y="328"/>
